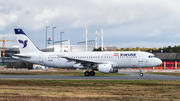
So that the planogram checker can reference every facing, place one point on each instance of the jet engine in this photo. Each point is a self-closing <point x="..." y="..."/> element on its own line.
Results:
<point x="107" y="68"/>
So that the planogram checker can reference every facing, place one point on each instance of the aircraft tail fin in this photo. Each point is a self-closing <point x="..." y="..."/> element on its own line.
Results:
<point x="24" y="43"/>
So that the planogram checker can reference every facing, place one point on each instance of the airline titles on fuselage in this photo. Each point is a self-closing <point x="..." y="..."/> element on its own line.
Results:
<point x="128" y="54"/>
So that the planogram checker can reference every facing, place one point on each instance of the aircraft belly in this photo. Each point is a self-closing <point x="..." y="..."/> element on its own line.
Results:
<point x="141" y="64"/>
<point x="127" y="63"/>
<point x="134" y="63"/>
<point x="33" y="60"/>
<point x="62" y="63"/>
<point x="68" y="64"/>
<point x="59" y="62"/>
<point x="147" y="63"/>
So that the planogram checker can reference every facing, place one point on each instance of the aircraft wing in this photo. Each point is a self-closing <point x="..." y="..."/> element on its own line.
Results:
<point x="82" y="61"/>
<point x="87" y="63"/>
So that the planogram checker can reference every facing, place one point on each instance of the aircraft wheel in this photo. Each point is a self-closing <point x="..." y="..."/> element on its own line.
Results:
<point x="141" y="74"/>
<point x="86" y="73"/>
<point x="92" y="73"/>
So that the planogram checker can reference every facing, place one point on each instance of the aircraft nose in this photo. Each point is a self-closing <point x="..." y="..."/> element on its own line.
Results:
<point x="159" y="61"/>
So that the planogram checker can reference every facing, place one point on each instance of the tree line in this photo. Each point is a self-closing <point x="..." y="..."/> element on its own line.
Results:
<point x="169" y="49"/>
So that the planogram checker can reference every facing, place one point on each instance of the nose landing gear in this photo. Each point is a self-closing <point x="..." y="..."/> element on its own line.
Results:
<point x="140" y="74"/>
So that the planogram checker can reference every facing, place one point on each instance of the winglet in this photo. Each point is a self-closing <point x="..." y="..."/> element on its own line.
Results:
<point x="19" y="31"/>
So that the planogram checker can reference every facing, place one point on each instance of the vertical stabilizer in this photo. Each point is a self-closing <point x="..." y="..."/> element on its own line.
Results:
<point x="24" y="43"/>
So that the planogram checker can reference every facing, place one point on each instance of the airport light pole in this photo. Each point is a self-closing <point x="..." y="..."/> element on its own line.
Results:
<point x="53" y="37"/>
<point x="61" y="40"/>
<point x="46" y="37"/>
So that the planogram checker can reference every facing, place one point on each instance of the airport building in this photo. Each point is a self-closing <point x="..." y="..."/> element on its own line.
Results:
<point x="64" y="46"/>
<point x="8" y="53"/>
<point x="68" y="48"/>
<point x="170" y="60"/>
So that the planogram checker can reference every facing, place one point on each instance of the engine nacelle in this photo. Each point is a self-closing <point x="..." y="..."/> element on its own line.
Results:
<point x="107" y="68"/>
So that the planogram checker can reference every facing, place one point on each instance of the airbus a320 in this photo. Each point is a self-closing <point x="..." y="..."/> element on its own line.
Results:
<point x="105" y="62"/>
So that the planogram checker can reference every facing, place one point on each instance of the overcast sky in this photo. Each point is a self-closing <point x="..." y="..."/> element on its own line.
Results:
<point x="126" y="23"/>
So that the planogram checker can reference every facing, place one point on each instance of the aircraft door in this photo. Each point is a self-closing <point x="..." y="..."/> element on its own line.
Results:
<point x="140" y="57"/>
<point x="41" y="61"/>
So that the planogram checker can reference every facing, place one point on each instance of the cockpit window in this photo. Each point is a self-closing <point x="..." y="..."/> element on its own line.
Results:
<point x="152" y="56"/>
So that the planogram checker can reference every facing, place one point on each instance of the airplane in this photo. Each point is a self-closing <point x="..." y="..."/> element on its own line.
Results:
<point x="105" y="62"/>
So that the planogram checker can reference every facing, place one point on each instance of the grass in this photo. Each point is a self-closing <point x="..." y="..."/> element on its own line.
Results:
<point x="70" y="73"/>
<point x="165" y="73"/>
<point x="89" y="90"/>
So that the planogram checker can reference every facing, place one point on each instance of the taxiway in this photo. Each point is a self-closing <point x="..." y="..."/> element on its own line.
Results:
<point x="131" y="76"/>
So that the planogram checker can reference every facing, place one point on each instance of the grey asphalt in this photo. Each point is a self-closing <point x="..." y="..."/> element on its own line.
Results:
<point x="133" y="75"/>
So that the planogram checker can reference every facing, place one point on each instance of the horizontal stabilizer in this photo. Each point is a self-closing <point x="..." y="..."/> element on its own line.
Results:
<point x="21" y="56"/>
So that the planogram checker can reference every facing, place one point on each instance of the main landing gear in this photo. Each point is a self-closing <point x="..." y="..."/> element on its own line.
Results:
<point x="140" y="74"/>
<point x="87" y="73"/>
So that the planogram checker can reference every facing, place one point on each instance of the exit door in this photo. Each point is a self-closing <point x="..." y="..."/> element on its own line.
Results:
<point x="140" y="57"/>
<point x="41" y="62"/>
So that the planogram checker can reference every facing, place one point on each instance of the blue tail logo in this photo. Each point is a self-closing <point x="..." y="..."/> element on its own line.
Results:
<point x="23" y="42"/>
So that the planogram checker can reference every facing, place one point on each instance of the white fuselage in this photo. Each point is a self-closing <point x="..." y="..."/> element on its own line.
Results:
<point x="125" y="59"/>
